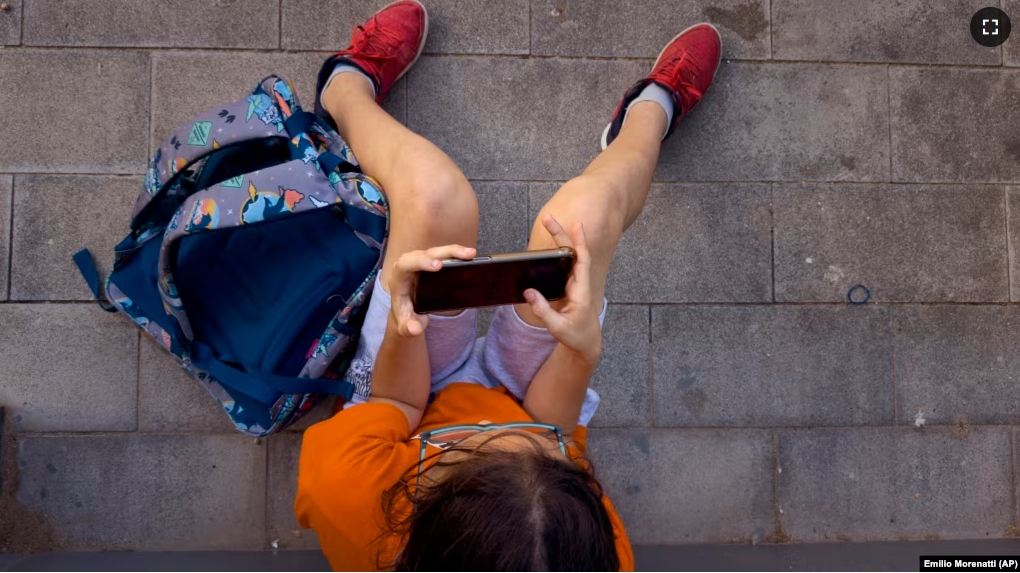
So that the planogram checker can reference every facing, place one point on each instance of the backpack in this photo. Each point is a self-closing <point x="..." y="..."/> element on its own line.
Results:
<point x="253" y="250"/>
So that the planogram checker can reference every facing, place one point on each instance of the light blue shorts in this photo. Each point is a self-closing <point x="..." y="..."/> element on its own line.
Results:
<point x="509" y="355"/>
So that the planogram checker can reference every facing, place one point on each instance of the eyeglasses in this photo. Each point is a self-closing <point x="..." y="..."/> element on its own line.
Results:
<point x="446" y="438"/>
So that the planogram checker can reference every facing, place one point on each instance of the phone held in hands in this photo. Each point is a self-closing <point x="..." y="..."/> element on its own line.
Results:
<point x="493" y="280"/>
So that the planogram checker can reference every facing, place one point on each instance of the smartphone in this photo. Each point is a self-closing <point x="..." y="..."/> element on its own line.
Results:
<point x="493" y="280"/>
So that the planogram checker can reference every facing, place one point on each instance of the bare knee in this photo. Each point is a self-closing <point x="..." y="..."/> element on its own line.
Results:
<point x="603" y="220"/>
<point x="441" y="205"/>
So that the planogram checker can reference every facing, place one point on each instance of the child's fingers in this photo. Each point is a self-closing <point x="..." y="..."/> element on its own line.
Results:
<point x="581" y="273"/>
<point x="560" y="237"/>
<point x="410" y="325"/>
<point x="431" y="260"/>
<point x="451" y="252"/>
<point x="541" y="309"/>
<point x="413" y="327"/>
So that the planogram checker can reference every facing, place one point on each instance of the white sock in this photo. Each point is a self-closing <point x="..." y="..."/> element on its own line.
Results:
<point x="342" y="68"/>
<point x="658" y="94"/>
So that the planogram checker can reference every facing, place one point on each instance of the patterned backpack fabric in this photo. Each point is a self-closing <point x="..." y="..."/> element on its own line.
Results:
<point x="252" y="254"/>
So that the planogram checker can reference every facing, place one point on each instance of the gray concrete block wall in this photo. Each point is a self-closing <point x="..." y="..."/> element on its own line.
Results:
<point x="742" y="397"/>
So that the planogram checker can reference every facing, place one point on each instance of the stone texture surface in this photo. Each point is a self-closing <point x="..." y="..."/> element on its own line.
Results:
<point x="494" y="128"/>
<point x="224" y="77"/>
<point x="167" y="492"/>
<point x="10" y="23"/>
<point x="152" y="23"/>
<point x="673" y="486"/>
<point x="6" y="182"/>
<point x="893" y="240"/>
<point x="771" y="366"/>
<point x="692" y="243"/>
<point x="911" y="31"/>
<point x="1011" y="50"/>
<point x="621" y="29"/>
<point x="169" y="400"/>
<point x="785" y="122"/>
<point x="67" y="367"/>
<point x="46" y="232"/>
<point x="97" y="127"/>
<point x="623" y="378"/>
<point x="1013" y="240"/>
<point x="883" y="148"/>
<point x="455" y="26"/>
<point x="881" y="483"/>
<point x="957" y="364"/>
<point x="503" y="223"/>
<point x="932" y="141"/>
<point x="281" y="525"/>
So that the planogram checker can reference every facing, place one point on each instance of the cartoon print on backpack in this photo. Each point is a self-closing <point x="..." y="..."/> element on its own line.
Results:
<point x="261" y="105"/>
<point x="369" y="192"/>
<point x="284" y="95"/>
<point x="152" y="182"/>
<point x="263" y="205"/>
<point x="322" y="345"/>
<point x="176" y="164"/>
<point x="204" y="215"/>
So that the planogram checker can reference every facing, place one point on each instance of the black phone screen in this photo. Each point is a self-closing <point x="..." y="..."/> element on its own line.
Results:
<point x="477" y="283"/>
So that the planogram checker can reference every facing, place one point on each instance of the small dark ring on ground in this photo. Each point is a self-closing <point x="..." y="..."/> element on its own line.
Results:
<point x="853" y="290"/>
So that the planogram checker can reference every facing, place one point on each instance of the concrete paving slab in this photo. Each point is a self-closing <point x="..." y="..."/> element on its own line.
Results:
<point x="1013" y="240"/>
<point x="281" y="524"/>
<point x="46" y="233"/>
<point x="455" y="26"/>
<point x="905" y="243"/>
<point x="10" y="23"/>
<point x="904" y="483"/>
<point x="53" y="352"/>
<point x="496" y="129"/>
<point x="6" y="208"/>
<point x="785" y="122"/>
<point x="215" y="78"/>
<point x="868" y="556"/>
<point x="504" y="224"/>
<point x="132" y="561"/>
<point x="957" y="364"/>
<point x="623" y="378"/>
<point x="672" y="486"/>
<point x="700" y="242"/>
<point x="933" y="142"/>
<point x="901" y="32"/>
<point x="693" y="282"/>
<point x="154" y="491"/>
<point x="1011" y="50"/>
<point x="97" y="127"/>
<point x="153" y="24"/>
<point x="170" y="400"/>
<point x="772" y="366"/>
<point x="610" y="29"/>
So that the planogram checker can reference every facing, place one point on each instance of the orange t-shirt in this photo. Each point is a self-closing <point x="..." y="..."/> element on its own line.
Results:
<point x="349" y="460"/>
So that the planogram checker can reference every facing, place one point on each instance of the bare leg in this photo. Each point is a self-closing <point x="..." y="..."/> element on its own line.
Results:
<point x="607" y="197"/>
<point x="431" y="202"/>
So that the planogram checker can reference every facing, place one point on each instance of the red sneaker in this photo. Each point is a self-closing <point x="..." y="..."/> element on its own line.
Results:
<point x="685" y="67"/>
<point x="384" y="47"/>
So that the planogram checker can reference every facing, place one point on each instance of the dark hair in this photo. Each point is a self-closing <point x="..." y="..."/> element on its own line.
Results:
<point x="499" y="510"/>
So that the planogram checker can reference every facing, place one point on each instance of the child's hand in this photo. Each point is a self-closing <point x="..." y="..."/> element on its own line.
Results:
<point x="401" y="281"/>
<point x="576" y="324"/>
